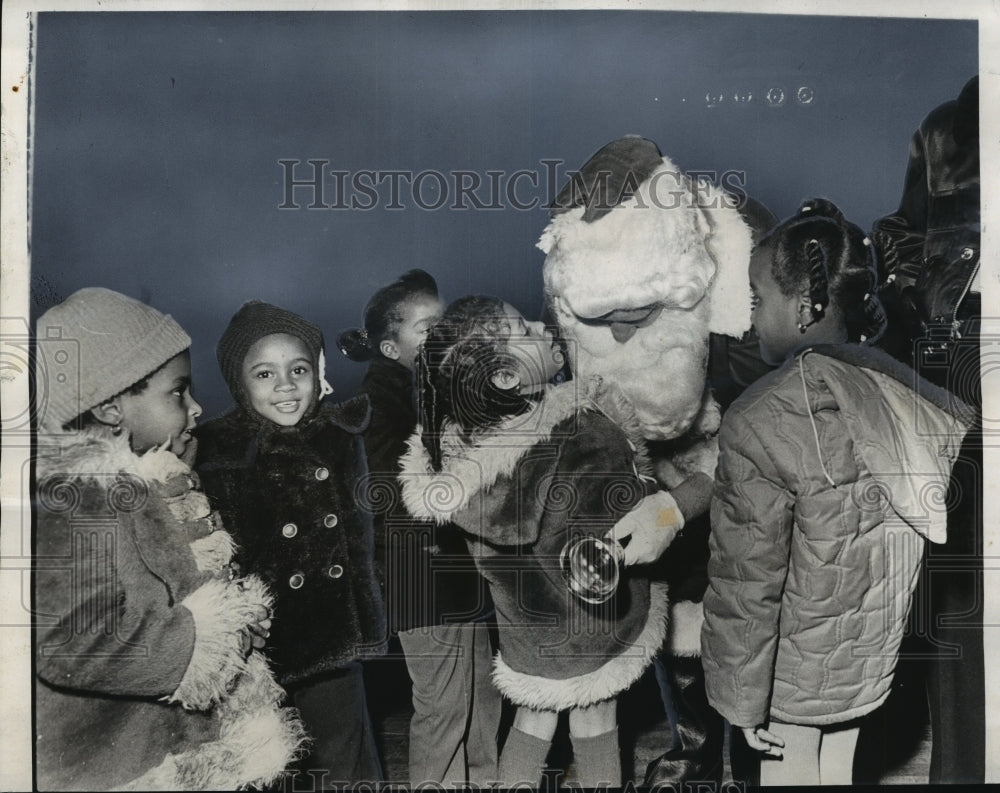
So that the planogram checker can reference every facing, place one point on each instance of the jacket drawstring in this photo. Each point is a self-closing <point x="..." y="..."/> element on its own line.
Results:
<point x="812" y="419"/>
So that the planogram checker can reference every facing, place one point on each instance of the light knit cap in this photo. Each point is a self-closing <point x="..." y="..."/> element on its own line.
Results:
<point x="94" y="345"/>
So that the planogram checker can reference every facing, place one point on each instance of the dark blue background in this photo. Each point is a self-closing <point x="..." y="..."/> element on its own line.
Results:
<point x="158" y="137"/>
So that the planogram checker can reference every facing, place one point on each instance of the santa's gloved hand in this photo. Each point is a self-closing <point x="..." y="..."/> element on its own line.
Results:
<point x="648" y="530"/>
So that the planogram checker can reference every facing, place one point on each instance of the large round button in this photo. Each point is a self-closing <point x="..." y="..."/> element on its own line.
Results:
<point x="322" y="473"/>
<point x="296" y="581"/>
<point x="330" y="521"/>
<point x="335" y="571"/>
<point x="968" y="253"/>
<point x="289" y="530"/>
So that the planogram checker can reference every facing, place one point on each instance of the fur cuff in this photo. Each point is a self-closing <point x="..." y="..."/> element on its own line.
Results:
<point x="258" y="740"/>
<point x="616" y="675"/>
<point x="221" y="610"/>
<point x="686" y="618"/>
<point x="214" y="551"/>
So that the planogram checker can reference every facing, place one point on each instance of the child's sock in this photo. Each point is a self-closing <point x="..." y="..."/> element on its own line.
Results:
<point x="522" y="759"/>
<point x="597" y="760"/>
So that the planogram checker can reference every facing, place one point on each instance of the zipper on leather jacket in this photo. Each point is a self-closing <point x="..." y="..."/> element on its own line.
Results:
<point x="955" y="324"/>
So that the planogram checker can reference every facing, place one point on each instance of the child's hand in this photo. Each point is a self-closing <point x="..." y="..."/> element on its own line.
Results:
<point x="190" y="452"/>
<point x="255" y="635"/>
<point x="763" y="741"/>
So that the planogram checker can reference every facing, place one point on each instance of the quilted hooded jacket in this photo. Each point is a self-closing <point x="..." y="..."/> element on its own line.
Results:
<point x="831" y="477"/>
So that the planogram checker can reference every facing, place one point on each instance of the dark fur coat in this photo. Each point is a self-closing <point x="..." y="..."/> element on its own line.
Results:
<point x="290" y="496"/>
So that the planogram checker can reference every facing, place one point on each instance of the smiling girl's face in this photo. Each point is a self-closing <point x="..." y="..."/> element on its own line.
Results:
<point x="279" y="378"/>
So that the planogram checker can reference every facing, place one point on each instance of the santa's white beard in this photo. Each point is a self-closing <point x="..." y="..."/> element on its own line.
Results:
<point x="661" y="369"/>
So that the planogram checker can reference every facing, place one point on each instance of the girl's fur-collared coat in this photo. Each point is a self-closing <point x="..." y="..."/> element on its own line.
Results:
<point x="520" y="491"/>
<point x="142" y="682"/>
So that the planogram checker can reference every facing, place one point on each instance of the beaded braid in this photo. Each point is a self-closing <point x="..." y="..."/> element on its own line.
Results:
<point x="830" y="247"/>
<point x="886" y="256"/>
<point x="819" y="279"/>
<point x="876" y="319"/>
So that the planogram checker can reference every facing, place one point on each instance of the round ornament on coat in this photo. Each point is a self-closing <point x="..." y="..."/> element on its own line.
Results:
<point x="591" y="568"/>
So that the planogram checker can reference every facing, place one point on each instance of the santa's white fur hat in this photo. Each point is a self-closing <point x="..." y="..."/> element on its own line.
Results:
<point x="632" y="230"/>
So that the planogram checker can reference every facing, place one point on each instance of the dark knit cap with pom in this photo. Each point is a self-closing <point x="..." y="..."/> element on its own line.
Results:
<point x="252" y="322"/>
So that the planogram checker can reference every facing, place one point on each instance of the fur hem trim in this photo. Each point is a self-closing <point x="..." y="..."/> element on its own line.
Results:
<point x="222" y="610"/>
<point x="471" y="468"/>
<point x="605" y="682"/>
<point x="214" y="551"/>
<point x="686" y="619"/>
<point x="258" y="740"/>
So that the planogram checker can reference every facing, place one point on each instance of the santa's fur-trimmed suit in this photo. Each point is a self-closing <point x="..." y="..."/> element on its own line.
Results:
<point x="642" y="264"/>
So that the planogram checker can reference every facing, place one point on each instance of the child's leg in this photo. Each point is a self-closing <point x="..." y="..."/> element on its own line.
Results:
<point x="836" y="755"/>
<point x="335" y="713"/>
<point x="484" y="718"/>
<point x="439" y="664"/>
<point x="596" y="755"/>
<point x="523" y="757"/>
<point x="799" y="764"/>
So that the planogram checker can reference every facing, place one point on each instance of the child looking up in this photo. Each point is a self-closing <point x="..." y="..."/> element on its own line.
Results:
<point x="435" y="599"/>
<point x="148" y="674"/>
<point x="825" y="496"/>
<point x="523" y="467"/>
<point x="282" y="467"/>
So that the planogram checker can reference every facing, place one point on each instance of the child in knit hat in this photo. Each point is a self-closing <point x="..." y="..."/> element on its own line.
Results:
<point x="147" y="671"/>
<point x="284" y="468"/>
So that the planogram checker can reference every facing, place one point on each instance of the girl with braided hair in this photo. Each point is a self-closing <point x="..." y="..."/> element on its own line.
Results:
<point x="830" y="480"/>
<point x="523" y="467"/>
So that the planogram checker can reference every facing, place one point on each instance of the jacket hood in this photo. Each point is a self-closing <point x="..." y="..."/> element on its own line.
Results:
<point x="470" y="468"/>
<point x="921" y="426"/>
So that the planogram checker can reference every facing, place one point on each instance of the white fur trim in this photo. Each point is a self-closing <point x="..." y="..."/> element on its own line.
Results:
<point x="95" y="453"/>
<point x="616" y="675"/>
<point x="686" y="619"/>
<point x="471" y="468"/>
<point x="190" y="505"/>
<point x="214" y="551"/>
<point x="264" y="736"/>
<point x="258" y="740"/>
<point x="730" y="244"/>
<point x="221" y="610"/>
<point x="468" y="469"/>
